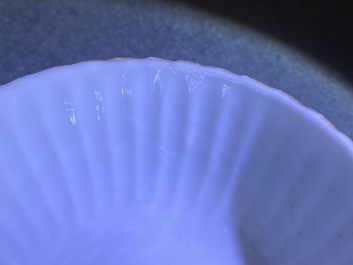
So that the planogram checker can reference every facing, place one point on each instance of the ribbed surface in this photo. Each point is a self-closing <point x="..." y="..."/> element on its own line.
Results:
<point x="141" y="161"/>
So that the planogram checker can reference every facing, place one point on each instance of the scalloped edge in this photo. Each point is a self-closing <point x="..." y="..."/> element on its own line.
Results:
<point x="187" y="66"/>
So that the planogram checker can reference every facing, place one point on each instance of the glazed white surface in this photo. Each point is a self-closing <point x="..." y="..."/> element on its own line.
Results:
<point x="157" y="162"/>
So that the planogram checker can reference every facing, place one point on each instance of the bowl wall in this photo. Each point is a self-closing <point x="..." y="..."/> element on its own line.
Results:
<point x="149" y="161"/>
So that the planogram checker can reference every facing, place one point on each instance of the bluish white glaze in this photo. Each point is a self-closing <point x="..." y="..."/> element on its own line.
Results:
<point x="156" y="162"/>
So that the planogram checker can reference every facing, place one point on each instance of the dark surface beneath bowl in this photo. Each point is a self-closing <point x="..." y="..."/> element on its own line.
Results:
<point x="319" y="28"/>
<point x="36" y="35"/>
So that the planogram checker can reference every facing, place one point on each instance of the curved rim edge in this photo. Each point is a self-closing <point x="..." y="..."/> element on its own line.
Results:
<point x="344" y="140"/>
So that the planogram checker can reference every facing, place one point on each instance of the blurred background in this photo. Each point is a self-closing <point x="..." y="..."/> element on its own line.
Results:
<point x="301" y="47"/>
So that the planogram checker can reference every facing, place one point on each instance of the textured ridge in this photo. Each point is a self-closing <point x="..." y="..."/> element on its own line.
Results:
<point x="169" y="161"/>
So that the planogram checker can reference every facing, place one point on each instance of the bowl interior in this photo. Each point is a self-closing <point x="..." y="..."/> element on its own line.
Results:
<point x="156" y="162"/>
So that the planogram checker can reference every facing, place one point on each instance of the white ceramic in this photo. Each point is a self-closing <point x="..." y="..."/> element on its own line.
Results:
<point x="154" y="162"/>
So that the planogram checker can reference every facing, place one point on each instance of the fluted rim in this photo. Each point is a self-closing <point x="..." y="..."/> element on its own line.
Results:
<point x="251" y="140"/>
<point x="342" y="139"/>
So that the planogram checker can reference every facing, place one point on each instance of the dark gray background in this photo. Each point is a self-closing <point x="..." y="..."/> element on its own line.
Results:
<point x="302" y="49"/>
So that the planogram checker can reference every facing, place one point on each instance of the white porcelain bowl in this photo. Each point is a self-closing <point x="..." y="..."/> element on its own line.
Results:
<point x="154" y="162"/>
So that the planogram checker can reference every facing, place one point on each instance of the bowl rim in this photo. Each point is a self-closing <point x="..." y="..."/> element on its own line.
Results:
<point x="334" y="133"/>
